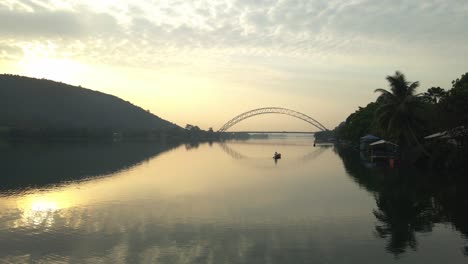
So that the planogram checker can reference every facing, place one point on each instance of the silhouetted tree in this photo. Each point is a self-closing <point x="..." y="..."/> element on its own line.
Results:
<point x="456" y="103"/>
<point x="434" y="95"/>
<point x="397" y="115"/>
<point x="358" y="123"/>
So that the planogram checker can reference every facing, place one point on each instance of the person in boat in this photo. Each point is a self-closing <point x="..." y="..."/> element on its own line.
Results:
<point x="277" y="155"/>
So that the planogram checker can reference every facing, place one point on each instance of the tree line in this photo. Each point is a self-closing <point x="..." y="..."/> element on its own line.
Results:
<point x="402" y="115"/>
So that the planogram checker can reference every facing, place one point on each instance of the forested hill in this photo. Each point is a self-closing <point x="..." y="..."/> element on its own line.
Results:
<point x="29" y="103"/>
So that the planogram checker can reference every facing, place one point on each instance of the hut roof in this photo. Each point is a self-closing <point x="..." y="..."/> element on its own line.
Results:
<point x="382" y="141"/>
<point x="369" y="137"/>
<point x="457" y="132"/>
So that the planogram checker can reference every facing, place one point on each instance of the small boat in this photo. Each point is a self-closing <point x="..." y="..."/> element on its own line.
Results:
<point x="277" y="156"/>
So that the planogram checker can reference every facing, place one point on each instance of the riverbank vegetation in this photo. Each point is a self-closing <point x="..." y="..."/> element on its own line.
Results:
<point x="407" y="117"/>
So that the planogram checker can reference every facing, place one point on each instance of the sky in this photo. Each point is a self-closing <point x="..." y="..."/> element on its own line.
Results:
<point x="205" y="61"/>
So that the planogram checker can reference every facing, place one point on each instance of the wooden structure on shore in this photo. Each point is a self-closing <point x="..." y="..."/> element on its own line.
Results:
<point x="383" y="149"/>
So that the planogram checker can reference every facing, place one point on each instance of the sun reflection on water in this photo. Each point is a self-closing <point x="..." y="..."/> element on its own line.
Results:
<point x="40" y="210"/>
<point x="44" y="206"/>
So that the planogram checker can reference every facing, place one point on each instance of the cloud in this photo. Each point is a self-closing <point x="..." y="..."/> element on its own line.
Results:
<point x="33" y="25"/>
<point x="402" y="20"/>
<point x="54" y="24"/>
<point x="158" y="32"/>
<point x="10" y="52"/>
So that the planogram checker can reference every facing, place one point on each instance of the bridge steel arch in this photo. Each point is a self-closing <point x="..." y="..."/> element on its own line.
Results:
<point x="272" y="110"/>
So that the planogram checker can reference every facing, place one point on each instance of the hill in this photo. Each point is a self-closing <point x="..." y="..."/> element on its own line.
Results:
<point x="29" y="103"/>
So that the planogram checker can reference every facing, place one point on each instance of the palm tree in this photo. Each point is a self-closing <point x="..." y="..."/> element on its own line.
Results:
<point x="397" y="115"/>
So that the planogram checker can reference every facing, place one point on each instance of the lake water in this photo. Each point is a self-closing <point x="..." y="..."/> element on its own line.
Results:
<point x="223" y="203"/>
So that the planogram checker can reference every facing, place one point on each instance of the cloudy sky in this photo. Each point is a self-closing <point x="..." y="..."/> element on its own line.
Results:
<point x="205" y="61"/>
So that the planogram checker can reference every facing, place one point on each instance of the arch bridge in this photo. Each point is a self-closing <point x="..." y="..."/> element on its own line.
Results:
<point x="272" y="110"/>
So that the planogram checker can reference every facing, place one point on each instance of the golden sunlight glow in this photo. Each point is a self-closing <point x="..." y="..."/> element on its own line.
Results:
<point x="44" y="206"/>
<point x="40" y="209"/>
<point x="43" y="61"/>
<point x="44" y="202"/>
<point x="58" y="69"/>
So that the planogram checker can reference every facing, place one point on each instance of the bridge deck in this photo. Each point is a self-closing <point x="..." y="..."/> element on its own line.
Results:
<point x="272" y="132"/>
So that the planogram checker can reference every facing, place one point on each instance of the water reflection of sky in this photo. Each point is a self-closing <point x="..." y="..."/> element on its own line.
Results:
<point x="201" y="205"/>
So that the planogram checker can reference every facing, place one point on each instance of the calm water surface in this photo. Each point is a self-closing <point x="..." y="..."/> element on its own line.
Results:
<point x="222" y="203"/>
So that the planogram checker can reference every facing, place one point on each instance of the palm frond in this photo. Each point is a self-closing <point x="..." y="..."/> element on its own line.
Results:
<point x="382" y="91"/>
<point x="412" y="88"/>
